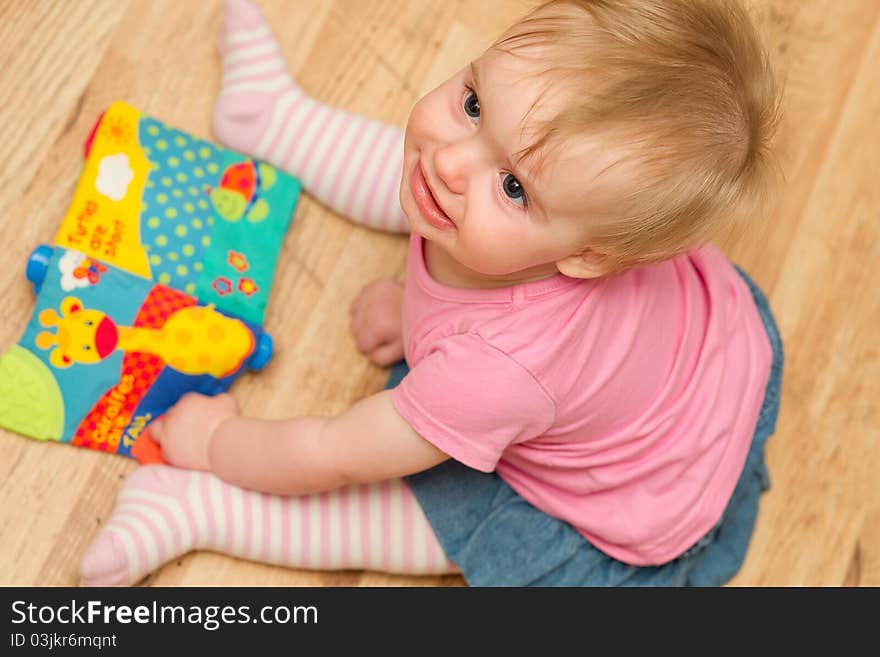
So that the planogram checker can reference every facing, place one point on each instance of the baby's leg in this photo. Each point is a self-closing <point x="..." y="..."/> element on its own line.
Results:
<point x="350" y="163"/>
<point x="163" y="512"/>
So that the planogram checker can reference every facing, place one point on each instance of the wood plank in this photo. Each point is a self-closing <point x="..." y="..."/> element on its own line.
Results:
<point x="826" y="453"/>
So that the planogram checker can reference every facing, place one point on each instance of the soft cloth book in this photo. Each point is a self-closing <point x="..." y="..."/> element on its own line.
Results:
<point x="156" y="285"/>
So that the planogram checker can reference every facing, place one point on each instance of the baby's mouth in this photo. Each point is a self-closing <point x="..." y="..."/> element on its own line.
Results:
<point x="425" y="199"/>
<point x="434" y="197"/>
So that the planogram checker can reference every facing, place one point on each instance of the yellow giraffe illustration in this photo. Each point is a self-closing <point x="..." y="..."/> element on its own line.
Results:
<point x="193" y="340"/>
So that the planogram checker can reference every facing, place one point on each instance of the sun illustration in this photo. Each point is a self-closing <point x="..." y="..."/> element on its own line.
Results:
<point x="117" y="130"/>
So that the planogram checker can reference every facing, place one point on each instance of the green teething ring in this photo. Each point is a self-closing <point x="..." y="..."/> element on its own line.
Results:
<point x="30" y="399"/>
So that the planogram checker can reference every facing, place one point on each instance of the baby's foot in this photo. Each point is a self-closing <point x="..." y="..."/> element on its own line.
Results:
<point x="257" y="92"/>
<point x="151" y="524"/>
<point x="350" y="163"/>
<point x="164" y="512"/>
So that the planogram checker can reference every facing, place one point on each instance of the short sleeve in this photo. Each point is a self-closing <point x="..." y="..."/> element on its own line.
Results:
<point x="472" y="400"/>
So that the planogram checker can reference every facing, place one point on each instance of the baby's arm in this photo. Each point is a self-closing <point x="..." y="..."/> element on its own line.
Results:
<point x="349" y="162"/>
<point x="368" y="443"/>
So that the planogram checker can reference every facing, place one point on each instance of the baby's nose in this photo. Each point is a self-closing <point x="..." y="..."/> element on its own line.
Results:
<point x="454" y="163"/>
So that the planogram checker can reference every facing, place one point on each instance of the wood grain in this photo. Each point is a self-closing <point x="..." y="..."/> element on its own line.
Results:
<point x="815" y="252"/>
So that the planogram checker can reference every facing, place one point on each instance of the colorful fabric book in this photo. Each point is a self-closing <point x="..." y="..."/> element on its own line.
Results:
<point x="156" y="285"/>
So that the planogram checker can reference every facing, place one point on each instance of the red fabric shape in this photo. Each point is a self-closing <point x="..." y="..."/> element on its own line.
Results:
<point x="102" y="427"/>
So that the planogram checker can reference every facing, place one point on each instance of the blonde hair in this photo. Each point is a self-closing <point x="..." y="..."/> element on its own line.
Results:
<point x="687" y="87"/>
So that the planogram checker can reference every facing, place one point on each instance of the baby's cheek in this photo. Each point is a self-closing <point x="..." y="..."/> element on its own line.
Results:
<point x="496" y="248"/>
<point x="430" y="114"/>
<point x="419" y="117"/>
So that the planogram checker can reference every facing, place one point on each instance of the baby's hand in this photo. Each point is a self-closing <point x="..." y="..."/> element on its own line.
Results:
<point x="377" y="321"/>
<point x="185" y="431"/>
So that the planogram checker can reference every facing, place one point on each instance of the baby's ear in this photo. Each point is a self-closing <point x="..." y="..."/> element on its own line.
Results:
<point x="587" y="264"/>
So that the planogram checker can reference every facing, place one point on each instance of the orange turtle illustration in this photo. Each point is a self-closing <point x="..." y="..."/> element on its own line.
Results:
<point x="238" y="194"/>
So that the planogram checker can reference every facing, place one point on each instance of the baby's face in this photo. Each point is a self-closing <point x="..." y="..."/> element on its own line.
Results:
<point x="461" y="186"/>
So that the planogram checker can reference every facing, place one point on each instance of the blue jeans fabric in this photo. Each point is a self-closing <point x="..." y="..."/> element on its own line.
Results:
<point x="498" y="539"/>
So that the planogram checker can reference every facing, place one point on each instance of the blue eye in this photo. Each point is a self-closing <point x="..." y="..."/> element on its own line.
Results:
<point x="472" y="104"/>
<point x="512" y="189"/>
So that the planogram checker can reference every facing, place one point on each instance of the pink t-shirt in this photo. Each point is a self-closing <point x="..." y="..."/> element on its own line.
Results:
<point x="625" y="406"/>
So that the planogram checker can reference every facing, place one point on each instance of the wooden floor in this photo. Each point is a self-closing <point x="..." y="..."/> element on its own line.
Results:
<point x="816" y="253"/>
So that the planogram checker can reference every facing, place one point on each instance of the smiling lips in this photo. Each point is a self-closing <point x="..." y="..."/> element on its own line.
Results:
<point x="425" y="200"/>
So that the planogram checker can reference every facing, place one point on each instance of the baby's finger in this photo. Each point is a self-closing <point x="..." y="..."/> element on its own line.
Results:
<point x="156" y="428"/>
<point x="387" y="354"/>
<point x="365" y="336"/>
<point x="227" y="401"/>
<point x="367" y="339"/>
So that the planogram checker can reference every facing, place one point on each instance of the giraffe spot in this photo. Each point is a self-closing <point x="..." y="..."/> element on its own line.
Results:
<point x="215" y="333"/>
<point x="178" y="363"/>
<point x="203" y="360"/>
<point x="183" y="336"/>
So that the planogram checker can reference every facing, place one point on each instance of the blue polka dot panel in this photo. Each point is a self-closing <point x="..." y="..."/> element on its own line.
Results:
<point x="177" y="215"/>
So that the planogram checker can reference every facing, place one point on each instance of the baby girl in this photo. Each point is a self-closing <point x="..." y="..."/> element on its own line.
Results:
<point x="591" y="382"/>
